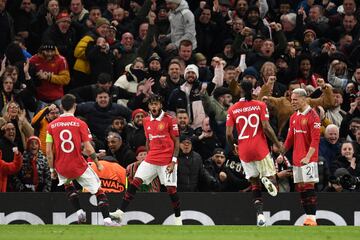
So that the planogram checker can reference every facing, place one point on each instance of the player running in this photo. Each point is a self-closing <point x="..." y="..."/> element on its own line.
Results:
<point x="251" y="118"/>
<point x="63" y="151"/>
<point x="162" y="142"/>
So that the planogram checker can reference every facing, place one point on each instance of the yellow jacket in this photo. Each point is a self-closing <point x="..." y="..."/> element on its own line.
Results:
<point x="81" y="63"/>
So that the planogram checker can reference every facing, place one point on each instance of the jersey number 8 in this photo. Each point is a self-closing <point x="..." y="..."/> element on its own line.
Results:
<point x="67" y="140"/>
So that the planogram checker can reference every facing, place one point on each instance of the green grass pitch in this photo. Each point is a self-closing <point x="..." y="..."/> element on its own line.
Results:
<point x="160" y="232"/>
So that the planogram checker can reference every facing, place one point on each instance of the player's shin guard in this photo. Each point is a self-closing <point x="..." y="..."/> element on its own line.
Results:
<point x="258" y="201"/>
<point x="72" y="196"/>
<point x="130" y="193"/>
<point x="175" y="201"/>
<point x="103" y="203"/>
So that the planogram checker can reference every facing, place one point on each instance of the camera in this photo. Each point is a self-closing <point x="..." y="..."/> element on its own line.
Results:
<point x="347" y="181"/>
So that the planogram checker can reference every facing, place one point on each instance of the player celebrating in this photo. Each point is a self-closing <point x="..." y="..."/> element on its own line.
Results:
<point x="162" y="142"/>
<point x="252" y="121"/>
<point x="304" y="136"/>
<point x="64" y="138"/>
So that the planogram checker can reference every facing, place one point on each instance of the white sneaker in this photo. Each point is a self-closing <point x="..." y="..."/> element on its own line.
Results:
<point x="117" y="216"/>
<point x="261" y="221"/>
<point x="110" y="223"/>
<point x="270" y="187"/>
<point x="81" y="216"/>
<point x="178" y="221"/>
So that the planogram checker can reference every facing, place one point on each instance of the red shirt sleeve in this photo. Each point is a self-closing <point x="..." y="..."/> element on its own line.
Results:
<point x="173" y="127"/>
<point x="229" y="118"/>
<point x="264" y="114"/>
<point x="290" y="136"/>
<point x="85" y="132"/>
<point x="315" y="125"/>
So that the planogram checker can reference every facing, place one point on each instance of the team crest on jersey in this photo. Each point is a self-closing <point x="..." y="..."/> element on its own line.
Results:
<point x="161" y="126"/>
<point x="317" y="125"/>
<point x="304" y="121"/>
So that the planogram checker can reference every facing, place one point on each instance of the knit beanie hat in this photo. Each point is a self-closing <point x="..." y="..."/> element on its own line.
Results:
<point x="33" y="138"/>
<point x="192" y="68"/>
<point x="63" y="17"/>
<point x="136" y="111"/>
<point x="101" y="21"/>
<point x="154" y="57"/>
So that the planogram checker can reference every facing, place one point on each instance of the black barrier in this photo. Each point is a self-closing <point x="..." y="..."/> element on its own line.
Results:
<point x="197" y="208"/>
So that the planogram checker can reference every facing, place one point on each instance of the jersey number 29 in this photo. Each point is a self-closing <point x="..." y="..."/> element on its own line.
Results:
<point x="252" y="121"/>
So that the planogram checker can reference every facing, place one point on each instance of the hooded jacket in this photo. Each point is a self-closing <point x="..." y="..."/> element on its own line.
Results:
<point x="182" y="25"/>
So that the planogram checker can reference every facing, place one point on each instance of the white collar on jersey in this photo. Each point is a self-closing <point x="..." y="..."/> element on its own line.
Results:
<point x="158" y="118"/>
<point x="304" y="112"/>
<point x="66" y="115"/>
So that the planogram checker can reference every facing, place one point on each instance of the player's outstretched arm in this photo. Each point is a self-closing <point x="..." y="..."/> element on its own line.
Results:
<point x="269" y="132"/>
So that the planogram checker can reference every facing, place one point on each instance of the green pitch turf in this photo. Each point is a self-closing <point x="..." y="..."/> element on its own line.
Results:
<point x="158" y="232"/>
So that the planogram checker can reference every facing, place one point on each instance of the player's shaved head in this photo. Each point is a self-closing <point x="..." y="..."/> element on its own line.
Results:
<point x="68" y="101"/>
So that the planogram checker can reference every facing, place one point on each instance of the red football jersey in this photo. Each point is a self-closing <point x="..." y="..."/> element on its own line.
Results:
<point x="68" y="132"/>
<point x="247" y="116"/>
<point x="304" y="132"/>
<point x="158" y="131"/>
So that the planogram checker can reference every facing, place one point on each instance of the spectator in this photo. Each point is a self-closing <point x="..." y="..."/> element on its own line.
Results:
<point x="216" y="107"/>
<point x="41" y="120"/>
<point x="24" y="16"/>
<point x="34" y="175"/>
<point x="104" y="80"/>
<point x="205" y="140"/>
<point x="100" y="113"/>
<point x="7" y="31"/>
<point x="118" y="125"/>
<point x="192" y="177"/>
<point x="183" y="122"/>
<point x="82" y="65"/>
<point x="329" y="147"/>
<point x="52" y="75"/>
<point x="134" y="131"/>
<point x="336" y="114"/>
<point x="9" y="168"/>
<point x="131" y="169"/>
<point x="119" y="150"/>
<point x="78" y="12"/>
<point x="354" y="125"/>
<point x="7" y="141"/>
<point x="349" y="160"/>
<point x="64" y="35"/>
<point x="187" y="97"/>
<point x="17" y="117"/>
<point x="45" y="17"/>
<point x="182" y="24"/>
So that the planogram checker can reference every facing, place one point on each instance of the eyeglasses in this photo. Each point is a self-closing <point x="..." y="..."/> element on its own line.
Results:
<point x="13" y="107"/>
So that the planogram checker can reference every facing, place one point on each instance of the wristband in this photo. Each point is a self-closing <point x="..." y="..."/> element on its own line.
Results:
<point x="52" y="170"/>
<point x="174" y="159"/>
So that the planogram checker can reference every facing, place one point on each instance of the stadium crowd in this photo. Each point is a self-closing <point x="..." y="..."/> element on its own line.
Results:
<point x="113" y="54"/>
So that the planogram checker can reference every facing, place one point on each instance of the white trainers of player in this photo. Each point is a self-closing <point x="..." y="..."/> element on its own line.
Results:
<point x="178" y="221"/>
<point x="261" y="221"/>
<point x="117" y="216"/>
<point x="110" y="223"/>
<point x="81" y="216"/>
<point x="270" y="187"/>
